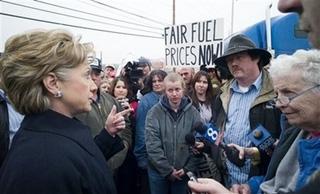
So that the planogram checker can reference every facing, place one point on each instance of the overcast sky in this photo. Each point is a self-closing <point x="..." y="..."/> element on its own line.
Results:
<point x="122" y="29"/>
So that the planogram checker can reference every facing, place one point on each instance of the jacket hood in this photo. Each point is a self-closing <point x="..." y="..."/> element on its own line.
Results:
<point x="186" y="102"/>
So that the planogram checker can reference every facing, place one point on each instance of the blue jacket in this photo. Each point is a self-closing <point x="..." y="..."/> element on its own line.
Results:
<point x="309" y="159"/>
<point x="145" y="104"/>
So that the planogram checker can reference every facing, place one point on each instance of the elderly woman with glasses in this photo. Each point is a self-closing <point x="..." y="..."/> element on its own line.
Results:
<point x="295" y="163"/>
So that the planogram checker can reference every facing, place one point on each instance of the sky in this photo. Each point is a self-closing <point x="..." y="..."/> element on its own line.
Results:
<point x="123" y="30"/>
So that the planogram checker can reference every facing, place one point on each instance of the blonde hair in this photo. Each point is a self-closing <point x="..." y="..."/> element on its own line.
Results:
<point x="29" y="57"/>
<point x="174" y="77"/>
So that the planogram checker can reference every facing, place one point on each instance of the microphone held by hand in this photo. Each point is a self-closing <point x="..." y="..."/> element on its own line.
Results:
<point x="233" y="155"/>
<point x="262" y="139"/>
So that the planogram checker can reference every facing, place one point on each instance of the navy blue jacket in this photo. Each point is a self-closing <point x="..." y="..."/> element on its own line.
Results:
<point x="52" y="153"/>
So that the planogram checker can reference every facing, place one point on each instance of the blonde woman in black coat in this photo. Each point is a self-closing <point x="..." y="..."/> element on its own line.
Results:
<point x="47" y="78"/>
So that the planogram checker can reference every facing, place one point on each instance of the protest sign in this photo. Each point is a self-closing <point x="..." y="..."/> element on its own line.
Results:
<point x="193" y="44"/>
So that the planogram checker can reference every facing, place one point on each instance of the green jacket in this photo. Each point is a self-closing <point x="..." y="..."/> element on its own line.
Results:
<point x="96" y="119"/>
<point x="165" y="136"/>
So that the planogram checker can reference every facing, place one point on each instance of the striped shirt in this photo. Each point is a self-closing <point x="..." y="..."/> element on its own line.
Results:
<point x="238" y="125"/>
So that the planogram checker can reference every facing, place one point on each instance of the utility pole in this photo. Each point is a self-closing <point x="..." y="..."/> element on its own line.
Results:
<point x="173" y="12"/>
<point x="232" y="16"/>
<point x="174" y="19"/>
<point x="268" y="29"/>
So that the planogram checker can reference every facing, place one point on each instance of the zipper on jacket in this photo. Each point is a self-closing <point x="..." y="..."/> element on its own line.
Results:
<point x="174" y="142"/>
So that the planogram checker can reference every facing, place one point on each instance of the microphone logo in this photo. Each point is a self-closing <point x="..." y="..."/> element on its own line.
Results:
<point x="207" y="131"/>
<point x="261" y="138"/>
<point x="212" y="132"/>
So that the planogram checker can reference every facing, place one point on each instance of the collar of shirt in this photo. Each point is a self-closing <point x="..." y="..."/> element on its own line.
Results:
<point x="256" y="84"/>
<point x="2" y="95"/>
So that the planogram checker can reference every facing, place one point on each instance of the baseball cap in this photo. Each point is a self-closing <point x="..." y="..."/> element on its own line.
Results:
<point x="96" y="64"/>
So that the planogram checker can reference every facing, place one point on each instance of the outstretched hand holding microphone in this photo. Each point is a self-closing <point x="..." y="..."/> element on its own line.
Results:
<point x="204" y="140"/>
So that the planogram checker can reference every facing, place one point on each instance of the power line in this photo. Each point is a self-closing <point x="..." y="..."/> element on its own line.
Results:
<point x="142" y="10"/>
<point x="127" y="12"/>
<point x="77" y="17"/>
<point x="97" y="15"/>
<point x="81" y="27"/>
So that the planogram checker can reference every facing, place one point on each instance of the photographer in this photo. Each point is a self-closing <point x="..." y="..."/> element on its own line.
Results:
<point x="136" y="73"/>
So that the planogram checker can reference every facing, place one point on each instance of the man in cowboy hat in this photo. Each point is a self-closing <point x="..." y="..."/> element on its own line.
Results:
<point x="244" y="103"/>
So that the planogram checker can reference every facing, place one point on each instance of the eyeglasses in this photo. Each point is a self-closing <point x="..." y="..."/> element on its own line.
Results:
<point x="285" y="100"/>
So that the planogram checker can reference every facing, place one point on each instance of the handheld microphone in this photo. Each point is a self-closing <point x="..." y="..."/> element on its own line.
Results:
<point x="190" y="139"/>
<point x="262" y="139"/>
<point x="191" y="176"/>
<point x="233" y="155"/>
<point x="207" y="131"/>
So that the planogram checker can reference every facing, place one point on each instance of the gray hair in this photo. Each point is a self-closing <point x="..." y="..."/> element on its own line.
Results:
<point x="307" y="62"/>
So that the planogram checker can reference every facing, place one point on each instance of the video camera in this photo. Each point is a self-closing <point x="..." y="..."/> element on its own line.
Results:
<point x="133" y="72"/>
<point x="208" y="133"/>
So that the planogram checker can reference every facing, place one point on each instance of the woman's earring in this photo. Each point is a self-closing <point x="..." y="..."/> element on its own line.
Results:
<point x="58" y="94"/>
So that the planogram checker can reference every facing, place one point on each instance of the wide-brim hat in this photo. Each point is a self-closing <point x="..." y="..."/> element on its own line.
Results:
<point x="241" y="43"/>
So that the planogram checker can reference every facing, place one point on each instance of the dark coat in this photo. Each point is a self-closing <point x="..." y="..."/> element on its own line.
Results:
<point x="54" y="154"/>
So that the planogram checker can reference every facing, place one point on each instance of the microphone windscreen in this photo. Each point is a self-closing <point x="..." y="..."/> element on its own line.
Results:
<point x="201" y="128"/>
<point x="190" y="140"/>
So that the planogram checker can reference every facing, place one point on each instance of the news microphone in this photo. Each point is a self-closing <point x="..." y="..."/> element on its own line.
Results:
<point x="233" y="155"/>
<point x="262" y="139"/>
<point x="190" y="139"/>
<point x="207" y="131"/>
<point x="191" y="176"/>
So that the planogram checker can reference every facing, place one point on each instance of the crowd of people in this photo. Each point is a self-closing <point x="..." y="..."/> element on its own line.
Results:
<point x="69" y="124"/>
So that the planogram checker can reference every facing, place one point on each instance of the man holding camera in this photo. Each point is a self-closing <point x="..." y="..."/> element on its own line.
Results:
<point x="244" y="104"/>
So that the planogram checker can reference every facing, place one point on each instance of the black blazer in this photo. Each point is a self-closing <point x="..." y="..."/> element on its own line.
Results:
<point x="54" y="154"/>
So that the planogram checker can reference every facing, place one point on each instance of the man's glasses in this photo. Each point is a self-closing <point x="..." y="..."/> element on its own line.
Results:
<point x="285" y="100"/>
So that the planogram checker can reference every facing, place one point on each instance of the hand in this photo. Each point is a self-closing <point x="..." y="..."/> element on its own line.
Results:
<point x="176" y="174"/>
<point x="115" y="121"/>
<point x="239" y="148"/>
<point x="241" y="189"/>
<point x="276" y="143"/>
<point x="210" y="186"/>
<point x="180" y="173"/>
<point x="173" y="176"/>
<point x="197" y="148"/>
<point x="199" y="145"/>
